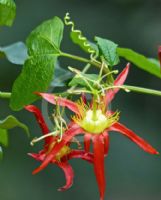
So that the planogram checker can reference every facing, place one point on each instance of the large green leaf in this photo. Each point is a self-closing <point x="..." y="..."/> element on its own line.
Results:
<point x="43" y="48"/>
<point x="7" y="12"/>
<point x="149" y="65"/>
<point x="3" y="137"/>
<point x="16" y="53"/>
<point x="109" y="50"/>
<point x="11" y="122"/>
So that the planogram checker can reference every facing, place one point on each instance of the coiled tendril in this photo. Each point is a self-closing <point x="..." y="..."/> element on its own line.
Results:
<point x="78" y="38"/>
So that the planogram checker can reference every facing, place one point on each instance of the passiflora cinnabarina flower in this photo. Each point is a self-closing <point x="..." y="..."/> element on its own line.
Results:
<point x="94" y="121"/>
<point x="64" y="154"/>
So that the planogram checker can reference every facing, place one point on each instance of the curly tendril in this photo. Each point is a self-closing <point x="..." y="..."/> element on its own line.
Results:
<point x="78" y="38"/>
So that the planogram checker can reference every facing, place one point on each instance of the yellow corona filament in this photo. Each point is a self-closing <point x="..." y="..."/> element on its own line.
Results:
<point x="98" y="123"/>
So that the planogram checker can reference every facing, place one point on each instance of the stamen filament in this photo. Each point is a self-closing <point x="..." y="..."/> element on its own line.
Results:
<point x="35" y="140"/>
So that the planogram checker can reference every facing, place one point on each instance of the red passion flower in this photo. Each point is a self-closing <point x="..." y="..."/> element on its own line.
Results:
<point x="94" y="122"/>
<point x="64" y="153"/>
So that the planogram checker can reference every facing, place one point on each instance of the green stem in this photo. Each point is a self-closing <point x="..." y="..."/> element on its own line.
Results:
<point x="142" y="90"/>
<point x="5" y="95"/>
<point x="81" y="59"/>
<point x="94" y="108"/>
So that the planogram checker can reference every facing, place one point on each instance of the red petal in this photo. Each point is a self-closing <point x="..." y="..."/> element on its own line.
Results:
<point x="106" y="142"/>
<point x="132" y="136"/>
<point x="98" y="148"/>
<point x="83" y="96"/>
<point x="67" y="136"/>
<point x="87" y="138"/>
<point x="41" y="121"/>
<point x="159" y="54"/>
<point x="118" y="82"/>
<point x="60" y="101"/>
<point x="69" y="175"/>
<point x="39" y="117"/>
<point x="38" y="156"/>
<point x="81" y="154"/>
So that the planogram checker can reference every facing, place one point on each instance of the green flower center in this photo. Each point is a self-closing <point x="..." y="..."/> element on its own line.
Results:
<point x="96" y="122"/>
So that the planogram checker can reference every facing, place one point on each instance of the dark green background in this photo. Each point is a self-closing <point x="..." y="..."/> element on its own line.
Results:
<point x="131" y="173"/>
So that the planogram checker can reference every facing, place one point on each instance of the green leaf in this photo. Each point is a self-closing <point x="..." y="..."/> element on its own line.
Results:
<point x="7" y="12"/>
<point x="155" y="61"/>
<point x="149" y="65"/>
<point x="82" y="41"/>
<point x="11" y="122"/>
<point x="60" y="76"/>
<point x="3" y="137"/>
<point x="43" y="48"/>
<point x="1" y="153"/>
<point x="109" y="50"/>
<point x="77" y="80"/>
<point x="16" y="53"/>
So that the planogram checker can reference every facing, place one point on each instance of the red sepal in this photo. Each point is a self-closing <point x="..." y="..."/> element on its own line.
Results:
<point x="69" y="174"/>
<point x="132" y="136"/>
<point x="119" y="81"/>
<point x="60" y="101"/>
<point x="98" y="149"/>
<point x="87" y="139"/>
<point x="38" y="115"/>
<point x="106" y="142"/>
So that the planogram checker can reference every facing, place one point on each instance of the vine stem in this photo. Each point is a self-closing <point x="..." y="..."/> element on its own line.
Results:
<point x="98" y="65"/>
<point x="5" y="95"/>
<point x="142" y="90"/>
<point x="81" y="59"/>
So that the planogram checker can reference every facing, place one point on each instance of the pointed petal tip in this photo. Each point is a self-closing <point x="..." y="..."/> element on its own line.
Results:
<point x="29" y="154"/>
<point x="35" y="171"/>
<point x="38" y="169"/>
<point x="126" y="69"/>
<point x="128" y="64"/>
<point x="153" y="152"/>
<point x="62" y="189"/>
<point x="157" y="153"/>
<point x="29" y="107"/>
